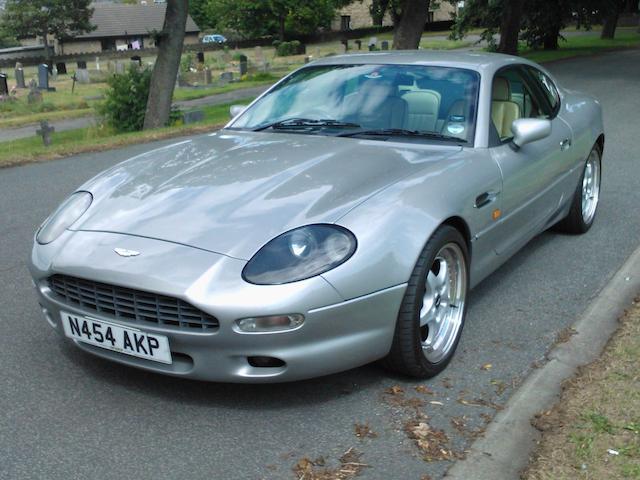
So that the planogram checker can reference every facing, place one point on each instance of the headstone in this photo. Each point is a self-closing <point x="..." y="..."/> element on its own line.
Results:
<point x="385" y="45"/>
<point x="207" y="76"/>
<point x="359" y="44"/>
<point x="20" y="78"/>
<point x="200" y="56"/>
<point x="54" y="74"/>
<point x="82" y="76"/>
<point x="45" y="132"/>
<point x="372" y="41"/>
<point x="35" y="95"/>
<point x="244" y="65"/>
<point x="119" y="68"/>
<point x="193" y="116"/>
<point x="345" y="44"/>
<point x="226" y="77"/>
<point x="43" y="76"/>
<point x="4" y="86"/>
<point x="82" y="64"/>
<point x="98" y="63"/>
<point x="307" y="59"/>
<point x="137" y="59"/>
<point x="62" y="68"/>
<point x="343" y="48"/>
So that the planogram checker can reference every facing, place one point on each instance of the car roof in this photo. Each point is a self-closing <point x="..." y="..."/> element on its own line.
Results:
<point x="479" y="61"/>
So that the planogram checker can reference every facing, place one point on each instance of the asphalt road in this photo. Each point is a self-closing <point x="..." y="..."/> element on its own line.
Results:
<point x="65" y="415"/>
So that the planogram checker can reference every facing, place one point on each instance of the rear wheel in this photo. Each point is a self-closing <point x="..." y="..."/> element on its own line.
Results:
<point x="586" y="198"/>
<point x="433" y="309"/>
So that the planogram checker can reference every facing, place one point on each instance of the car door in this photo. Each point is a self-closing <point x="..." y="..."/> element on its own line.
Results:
<point x="531" y="193"/>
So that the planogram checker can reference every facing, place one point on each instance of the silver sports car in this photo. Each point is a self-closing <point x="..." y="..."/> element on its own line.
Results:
<point x="339" y="219"/>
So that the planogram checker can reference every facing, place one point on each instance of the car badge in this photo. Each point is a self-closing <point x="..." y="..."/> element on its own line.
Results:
<point x="123" y="252"/>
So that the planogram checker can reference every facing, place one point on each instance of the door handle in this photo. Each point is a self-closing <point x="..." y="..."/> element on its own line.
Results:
<point x="485" y="199"/>
<point x="565" y="144"/>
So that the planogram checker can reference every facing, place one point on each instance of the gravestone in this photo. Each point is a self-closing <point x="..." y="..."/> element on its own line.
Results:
<point x="137" y="59"/>
<point x="98" y="63"/>
<point x="193" y="116"/>
<point x="43" y="76"/>
<point x="226" y="77"/>
<point x="4" y="86"/>
<point x="307" y="59"/>
<point x="20" y="78"/>
<point x="82" y="64"/>
<point x="373" y="41"/>
<point x="343" y="49"/>
<point x="244" y="65"/>
<point x="119" y="68"/>
<point x="359" y="44"/>
<point x="200" y="56"/>
<point x="45" y="132"/>
<point x="62" y="68"/>
<point x="35" y="95"/>
<point x="207" y="76"/>
<point x="345" y="44"/>
<point x="82" y="76"/>
<point x="54" y="74"/>
<point x="385" y="45"/>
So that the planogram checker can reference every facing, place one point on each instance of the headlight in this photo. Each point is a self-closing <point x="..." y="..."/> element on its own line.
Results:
<point x="299" y="254"/>
<point x="65" y="216"/>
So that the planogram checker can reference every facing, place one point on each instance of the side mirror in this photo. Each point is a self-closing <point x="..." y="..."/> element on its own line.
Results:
<point x="236" y="110"/>
<point x="527" y="130"/>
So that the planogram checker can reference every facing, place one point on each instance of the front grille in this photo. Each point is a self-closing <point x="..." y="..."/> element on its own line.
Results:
<point x="129" y="304"/>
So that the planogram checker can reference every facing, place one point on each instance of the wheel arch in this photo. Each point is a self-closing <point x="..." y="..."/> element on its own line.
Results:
<point x="461" y="225"/>
<point x="600" y="142"/>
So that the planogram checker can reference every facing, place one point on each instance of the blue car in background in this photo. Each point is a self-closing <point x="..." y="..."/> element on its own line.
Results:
<point x="214" y="39"/>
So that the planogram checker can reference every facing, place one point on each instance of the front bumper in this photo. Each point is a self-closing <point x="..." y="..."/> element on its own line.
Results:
<point x="337" y="334"/>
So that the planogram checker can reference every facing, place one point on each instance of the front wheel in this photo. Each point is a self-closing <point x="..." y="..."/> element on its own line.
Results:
<point x="586" y="198"/>
<point x="432" y="312"/>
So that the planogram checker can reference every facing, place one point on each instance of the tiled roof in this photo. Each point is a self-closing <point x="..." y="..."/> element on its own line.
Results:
<point x="117" y="19"/>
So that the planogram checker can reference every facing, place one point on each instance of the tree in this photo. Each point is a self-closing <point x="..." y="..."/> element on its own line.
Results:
<point x="410" y="17"/>
<point x="259" y="18"/>
<point x="611" y="12"/>
<point x="198" y="11"/>
<point x="543" y="21"/>
<point x="510" y="27"/>
<point x="163" y="79"/>
<point x="378" y="10"/>
<point x="40" y="18"/>
<point x="7" y="39"/>
<point x="487" y="14"/>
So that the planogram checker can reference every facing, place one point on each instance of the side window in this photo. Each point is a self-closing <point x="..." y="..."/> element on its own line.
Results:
<point x="512" y="98"/>
<point x="547" y="87"/>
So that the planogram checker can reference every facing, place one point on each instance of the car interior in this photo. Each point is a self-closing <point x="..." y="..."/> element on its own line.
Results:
<point x="410" y="103"/>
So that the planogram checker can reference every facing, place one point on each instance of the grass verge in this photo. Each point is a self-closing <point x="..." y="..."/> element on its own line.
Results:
<point x="580" y="45"/>
<point x="594" y="430"/>
<point x="96" y="138"/>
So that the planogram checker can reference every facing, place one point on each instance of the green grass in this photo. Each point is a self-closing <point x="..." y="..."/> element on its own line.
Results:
<point x="99" y="138"/>
<point x="576" y="46"/>
<point x="429" y="44"/>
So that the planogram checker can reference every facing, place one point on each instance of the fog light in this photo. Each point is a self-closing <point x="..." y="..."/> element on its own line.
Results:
<point x="275" y="323"/>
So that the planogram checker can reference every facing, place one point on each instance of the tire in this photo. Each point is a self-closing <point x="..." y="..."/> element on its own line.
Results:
<point x="413" y="351"/>
<point x="579" y="219"/>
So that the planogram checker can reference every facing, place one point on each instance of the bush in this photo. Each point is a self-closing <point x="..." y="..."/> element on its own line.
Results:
<point x="126" y="100"/>
<point x="285" y="49"/>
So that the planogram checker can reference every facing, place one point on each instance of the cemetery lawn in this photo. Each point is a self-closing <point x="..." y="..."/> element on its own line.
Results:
<point x="579" y="45"/>
<point x="100" y="138"/>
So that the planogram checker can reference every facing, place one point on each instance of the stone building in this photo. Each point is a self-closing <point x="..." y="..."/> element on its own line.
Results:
<point x="356" y="15"/>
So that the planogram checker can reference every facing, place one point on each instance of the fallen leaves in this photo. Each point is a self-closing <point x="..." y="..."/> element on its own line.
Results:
<point x="364" y="431"/>
<point x="480" y="402"/>
<point x="486" y="367"/>
<point x="350" y="467"/>
<point x="432" y="443"/>
<point x="424" y="389"/>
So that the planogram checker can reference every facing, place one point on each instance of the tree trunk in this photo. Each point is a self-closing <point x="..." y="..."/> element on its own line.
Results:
<point x="610" y="23"/>
<point x="165" y="71"/>
<point x="282" y="27"/>
<point x="510" y="27"/>
<point x="408" y="31"/>
<point x="550" y="40"/>
<point x="45" y="43"/>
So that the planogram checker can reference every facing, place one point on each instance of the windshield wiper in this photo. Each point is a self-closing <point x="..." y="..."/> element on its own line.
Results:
<point x="305" y="122"/>
<point x="401" y="132"/>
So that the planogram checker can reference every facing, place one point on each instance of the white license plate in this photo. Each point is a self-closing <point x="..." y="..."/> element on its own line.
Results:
<point x="112" y="336"/>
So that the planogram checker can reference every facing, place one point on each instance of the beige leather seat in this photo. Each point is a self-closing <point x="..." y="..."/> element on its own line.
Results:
<point x="503" y="110"/>
<point x="376" y="105"/>
<point x="422" y="110"/>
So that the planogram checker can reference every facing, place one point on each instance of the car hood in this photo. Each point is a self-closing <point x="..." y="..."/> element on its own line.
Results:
<point x="232" y="191"/>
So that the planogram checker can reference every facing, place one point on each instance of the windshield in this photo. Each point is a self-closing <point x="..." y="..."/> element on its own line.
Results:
<point x="426" y="102"/>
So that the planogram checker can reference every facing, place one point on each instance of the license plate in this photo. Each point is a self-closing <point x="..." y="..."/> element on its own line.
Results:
<point x="117" y="338"/>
